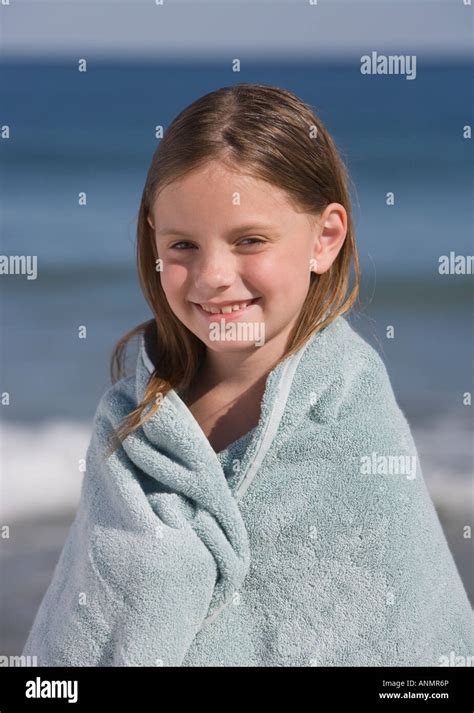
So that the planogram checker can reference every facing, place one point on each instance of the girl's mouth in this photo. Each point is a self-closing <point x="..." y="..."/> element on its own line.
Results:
<point x="235" y="314"/>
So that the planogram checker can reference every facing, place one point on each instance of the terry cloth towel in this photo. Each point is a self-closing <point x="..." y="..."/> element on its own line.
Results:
<point x="320" y="552"/>
<point x="230" y="457"/>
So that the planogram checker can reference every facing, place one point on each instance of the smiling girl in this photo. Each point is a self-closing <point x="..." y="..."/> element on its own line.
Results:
<point x="228" y="515"/>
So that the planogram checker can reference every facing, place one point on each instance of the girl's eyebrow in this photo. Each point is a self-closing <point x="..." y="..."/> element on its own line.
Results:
<point x="239" y="229"/>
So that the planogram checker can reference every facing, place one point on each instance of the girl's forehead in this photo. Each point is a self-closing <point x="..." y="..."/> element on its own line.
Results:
<point x="219" y="178"/>
<point x="238" y="192"/>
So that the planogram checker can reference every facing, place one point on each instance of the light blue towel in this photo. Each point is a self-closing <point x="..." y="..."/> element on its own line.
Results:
<point x="231" y="457"/>
<point x="309" y="555"/>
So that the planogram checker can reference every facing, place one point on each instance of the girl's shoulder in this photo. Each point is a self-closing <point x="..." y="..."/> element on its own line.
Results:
<point x="116" y="402"/>
<point x="123" y="393"/>
<point x="344" y="367"/>
<point x="353" y="349"/>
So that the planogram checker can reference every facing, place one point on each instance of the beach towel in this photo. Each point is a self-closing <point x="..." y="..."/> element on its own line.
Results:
<point x="323" y="548"/>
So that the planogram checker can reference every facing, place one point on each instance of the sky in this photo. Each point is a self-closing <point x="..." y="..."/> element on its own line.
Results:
<point x="257" y="29"/>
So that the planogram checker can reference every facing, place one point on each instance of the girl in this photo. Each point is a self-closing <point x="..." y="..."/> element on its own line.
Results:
<point x="253" y="495"/>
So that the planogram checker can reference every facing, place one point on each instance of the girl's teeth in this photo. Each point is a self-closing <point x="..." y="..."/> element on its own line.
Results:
<point x="225" y="310"/>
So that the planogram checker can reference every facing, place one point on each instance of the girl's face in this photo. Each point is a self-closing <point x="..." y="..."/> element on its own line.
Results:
<point x="226" y="238"/>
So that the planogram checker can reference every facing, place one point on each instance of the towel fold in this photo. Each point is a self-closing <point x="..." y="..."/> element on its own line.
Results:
<point x="324" y="549"/>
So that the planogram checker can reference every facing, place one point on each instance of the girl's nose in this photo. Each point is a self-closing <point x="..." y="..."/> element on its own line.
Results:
<point x="214" y="270"/>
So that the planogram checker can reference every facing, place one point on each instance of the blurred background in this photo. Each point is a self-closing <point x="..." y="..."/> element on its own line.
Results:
<point x="94" y="132"/>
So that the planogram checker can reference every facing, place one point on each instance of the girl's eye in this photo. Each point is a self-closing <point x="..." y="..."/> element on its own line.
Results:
<point x="256" y="240"/>
<point x="184" y="242"/>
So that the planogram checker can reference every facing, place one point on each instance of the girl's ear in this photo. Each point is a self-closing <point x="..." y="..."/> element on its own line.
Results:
<point x="329" y="236"/>
<point x="150" y="223"/>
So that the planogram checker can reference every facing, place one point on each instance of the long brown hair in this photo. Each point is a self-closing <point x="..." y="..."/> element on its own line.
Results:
<point x="270" y="134"/>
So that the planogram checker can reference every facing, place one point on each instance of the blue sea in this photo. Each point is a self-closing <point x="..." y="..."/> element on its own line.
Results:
<point x="95" y="132"/>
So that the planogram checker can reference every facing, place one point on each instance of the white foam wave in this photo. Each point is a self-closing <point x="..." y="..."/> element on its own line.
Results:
<point x="41" y="473"/>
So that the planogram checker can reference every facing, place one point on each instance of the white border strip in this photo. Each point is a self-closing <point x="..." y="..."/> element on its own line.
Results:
<point x="146" y="359"/>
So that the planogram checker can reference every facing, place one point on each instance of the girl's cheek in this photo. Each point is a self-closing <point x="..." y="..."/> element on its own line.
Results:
<point x="265" y="268"/>
<point x="291" y="267"/>
<point x="173" y="276"/>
